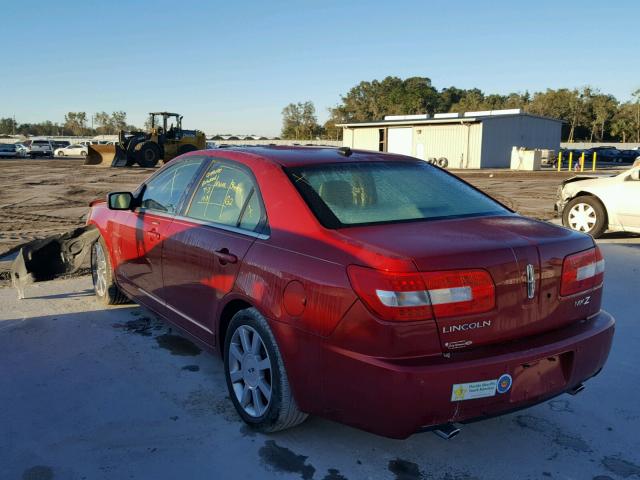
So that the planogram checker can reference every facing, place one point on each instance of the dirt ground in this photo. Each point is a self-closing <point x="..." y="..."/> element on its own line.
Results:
<point x="39" y="198"/>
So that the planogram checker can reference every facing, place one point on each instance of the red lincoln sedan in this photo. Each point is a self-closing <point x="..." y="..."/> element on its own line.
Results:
<point x="372" y="289"/>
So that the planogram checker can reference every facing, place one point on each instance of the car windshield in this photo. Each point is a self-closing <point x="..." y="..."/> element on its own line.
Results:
<point x="363" y="193"/>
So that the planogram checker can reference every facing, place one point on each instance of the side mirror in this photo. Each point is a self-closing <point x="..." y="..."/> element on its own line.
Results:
<point x="635" y="174"/>
<point x="120" y="200"/>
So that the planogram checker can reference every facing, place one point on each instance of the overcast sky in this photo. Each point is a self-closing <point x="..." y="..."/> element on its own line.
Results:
<point x="230" y="67"/>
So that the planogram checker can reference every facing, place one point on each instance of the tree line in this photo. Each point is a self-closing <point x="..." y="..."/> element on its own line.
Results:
<point x="75" y="124"/>
<point x="589" y="114"/>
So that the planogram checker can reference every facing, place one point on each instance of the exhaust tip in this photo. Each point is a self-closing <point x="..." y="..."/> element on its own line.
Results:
<point x="577" y="389"/>
<point x="446" y="431"/>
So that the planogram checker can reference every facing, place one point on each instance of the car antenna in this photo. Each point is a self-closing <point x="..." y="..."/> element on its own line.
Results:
<point x="346" y="151"/>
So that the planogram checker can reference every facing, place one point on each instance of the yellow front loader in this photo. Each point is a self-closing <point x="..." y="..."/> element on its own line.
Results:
<point x="165" y="141"/>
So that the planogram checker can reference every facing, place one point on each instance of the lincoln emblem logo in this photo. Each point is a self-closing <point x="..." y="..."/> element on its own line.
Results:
<point x="531" y="281"/>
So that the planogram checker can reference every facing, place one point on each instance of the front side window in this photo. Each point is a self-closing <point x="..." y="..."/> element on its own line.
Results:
<point x="361" y="193"/>
<point x="163" y="192"/>
<point x="228" y="195"/>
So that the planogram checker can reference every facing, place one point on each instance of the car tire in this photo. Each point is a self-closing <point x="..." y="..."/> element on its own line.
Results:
<point x="61" y="154"/>
<point x="148" y="155"/>
<point x="585" y="214"/>
<point x="83" y="153"/>
<point x="104" y="286"/>
<point x="443" y="162"/>
<point x="256" y="377"/>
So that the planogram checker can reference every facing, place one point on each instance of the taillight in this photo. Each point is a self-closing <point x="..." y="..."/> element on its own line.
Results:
<point x="392" y="296"/>
<point x="421" y="296"/>
<point x="582" y="271"/>
<point x="460" y="292"/>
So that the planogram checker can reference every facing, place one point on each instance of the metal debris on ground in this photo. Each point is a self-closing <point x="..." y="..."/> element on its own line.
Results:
<point x="51" y="257"/>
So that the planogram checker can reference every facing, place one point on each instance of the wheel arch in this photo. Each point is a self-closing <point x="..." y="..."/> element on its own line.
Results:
<point x="228" y="311"/>
<point x="102" y="233"/>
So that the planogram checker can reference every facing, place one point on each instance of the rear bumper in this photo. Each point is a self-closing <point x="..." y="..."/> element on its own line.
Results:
<point x="398" y="398"/>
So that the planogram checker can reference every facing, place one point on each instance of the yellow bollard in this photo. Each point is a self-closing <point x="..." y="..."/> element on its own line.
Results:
<point x="593" y="167"/>
<point x="570" y="159"/>
<point x="582" y="162"/>
<point x="559" y="161"/>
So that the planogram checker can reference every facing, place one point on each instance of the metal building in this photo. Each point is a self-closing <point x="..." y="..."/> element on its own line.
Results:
<point x="470" y="140"/>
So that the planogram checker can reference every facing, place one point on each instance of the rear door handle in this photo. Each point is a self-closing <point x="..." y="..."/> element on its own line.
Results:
<point x="225" y="257"/>
<point x="153" y="233"/>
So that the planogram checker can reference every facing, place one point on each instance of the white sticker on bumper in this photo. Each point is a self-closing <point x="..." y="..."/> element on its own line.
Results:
<point x="469" y="391"/>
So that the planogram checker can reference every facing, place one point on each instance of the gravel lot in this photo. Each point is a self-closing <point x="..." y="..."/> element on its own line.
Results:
<point x="93" y="393"/>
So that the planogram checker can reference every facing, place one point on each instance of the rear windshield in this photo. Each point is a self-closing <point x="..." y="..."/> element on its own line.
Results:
<point x="365" y="193"/>
<point x="41" y="142"/>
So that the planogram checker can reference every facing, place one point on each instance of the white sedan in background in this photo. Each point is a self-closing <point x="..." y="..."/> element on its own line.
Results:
<point x="596" y="204"/>
<point x="71" y="150"/>
<point x="22" y="150"/>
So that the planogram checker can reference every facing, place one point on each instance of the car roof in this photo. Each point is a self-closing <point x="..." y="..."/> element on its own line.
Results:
<point x="296" y="156"/>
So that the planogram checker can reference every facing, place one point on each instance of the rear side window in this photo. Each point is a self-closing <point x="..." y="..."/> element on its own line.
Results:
<point x="364" y="193"/>
<point x="227" y="194"/>
<point x="163" y="192"/>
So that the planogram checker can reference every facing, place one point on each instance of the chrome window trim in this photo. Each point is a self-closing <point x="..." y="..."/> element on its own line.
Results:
<point x="222" y="226"/>
<point x="151" y="211"/>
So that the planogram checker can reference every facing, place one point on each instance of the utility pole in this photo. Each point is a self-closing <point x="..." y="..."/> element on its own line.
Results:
<point x="14" y="124"/>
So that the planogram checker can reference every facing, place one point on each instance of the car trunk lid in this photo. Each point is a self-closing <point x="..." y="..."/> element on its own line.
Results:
<point x="523" y="256"/>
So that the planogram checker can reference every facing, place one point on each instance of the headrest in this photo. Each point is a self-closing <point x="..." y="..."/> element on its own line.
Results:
<point x="242" y="190"/>
<point x="337" y="192"/>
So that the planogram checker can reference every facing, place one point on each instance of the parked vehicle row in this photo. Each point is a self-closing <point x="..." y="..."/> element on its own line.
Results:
<point x="603" y="154"/>
<point x="34" y="148"/>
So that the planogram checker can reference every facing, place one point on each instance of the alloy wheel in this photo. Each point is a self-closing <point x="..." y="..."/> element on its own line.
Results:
<point x="250" y="371"/>
<point x="99" y="270"/>
<point x="582" y="217"/>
